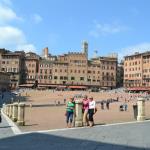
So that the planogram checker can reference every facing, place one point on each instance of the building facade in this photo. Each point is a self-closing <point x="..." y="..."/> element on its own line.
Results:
<point x="120" y="74"/>
<point x="13" y="63"/>
<point x="137" y="70"/>
<point x="71" y="69"/>
<point x="75" y="69"/>
<point x="31" y="68"/>
<point x="4" y="81"/>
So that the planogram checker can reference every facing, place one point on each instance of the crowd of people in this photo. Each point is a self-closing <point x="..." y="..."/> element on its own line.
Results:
<point x="88" y="109"/>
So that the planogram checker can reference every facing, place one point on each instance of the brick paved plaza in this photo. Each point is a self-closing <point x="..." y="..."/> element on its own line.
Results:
<point x="47" y="117"/>
<point x="133" y="135"/>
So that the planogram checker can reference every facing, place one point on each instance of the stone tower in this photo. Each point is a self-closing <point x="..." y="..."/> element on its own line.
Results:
<point x="85" y="48"/>
<point x="45" y="52"/>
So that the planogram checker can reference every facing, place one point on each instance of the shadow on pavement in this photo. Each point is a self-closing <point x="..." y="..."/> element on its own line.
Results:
<point x="6" y="127"/>
<point x="97" y="124"/>
<point x="39" y="141"/>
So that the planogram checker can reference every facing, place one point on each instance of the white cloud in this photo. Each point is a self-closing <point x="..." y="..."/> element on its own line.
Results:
<point x="11" y="35"/>
<point x="106" y="29"/>
<point x="14" y="39"/>
<point x="26" y="47"/>
<point x="37" y="18"/>
<point x="142" y="47"/>
<point x="6" y="14"/>
<point x="6" y="2"/>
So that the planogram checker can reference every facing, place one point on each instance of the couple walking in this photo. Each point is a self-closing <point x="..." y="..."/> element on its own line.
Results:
<point x="89" y="109"/>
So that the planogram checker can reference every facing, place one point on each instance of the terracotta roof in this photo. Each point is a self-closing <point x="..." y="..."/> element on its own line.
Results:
<point x="51" y="85"/>
<point x="78" y="87"/>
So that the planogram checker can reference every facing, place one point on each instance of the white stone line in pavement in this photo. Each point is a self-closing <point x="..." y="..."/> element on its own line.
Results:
<point x="76" y="128"/>
<point x="124" y="123"/>
<point x="14" y="127"/>
<point x="53" y="130"/>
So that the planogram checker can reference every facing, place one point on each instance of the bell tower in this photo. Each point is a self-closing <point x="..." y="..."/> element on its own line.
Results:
<point x="85" y="48"/>
<point x="45" y="52"/>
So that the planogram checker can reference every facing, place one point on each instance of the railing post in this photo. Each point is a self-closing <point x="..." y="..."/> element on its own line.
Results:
<point x="15" y="112"/>
<point x="141" y="109"/>
<point x="7" y="109"/>
<point x="78" y="114"/>
<point x="4" y="108"/>
<point x="21" y="114"/>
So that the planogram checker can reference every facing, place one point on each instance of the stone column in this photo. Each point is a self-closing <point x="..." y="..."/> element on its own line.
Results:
<point x="4" y="108"/>
<point x="141" y="109"/>
<point x="78" y="114"/>
<point x="15" y="112"/>
<point x="21" y="114"/>
<point x="11" y="110"/>
<point x="7" y="110"/>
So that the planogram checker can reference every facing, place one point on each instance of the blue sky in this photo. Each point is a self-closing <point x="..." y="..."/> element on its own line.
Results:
<point x="109" y="26"/>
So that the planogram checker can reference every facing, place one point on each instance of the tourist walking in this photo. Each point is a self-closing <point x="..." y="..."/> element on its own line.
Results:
<point x="102" y="104"/>
<point x="125" y="105"/>
<point x="85" y="109"/>
<point x="70" y="106"/>
<point x="107" y="104"/>
<point x="92" y="111"/>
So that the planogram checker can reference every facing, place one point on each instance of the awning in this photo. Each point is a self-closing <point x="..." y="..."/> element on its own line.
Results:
<point x="47" y="85"/>
<point x="78" y="87"/>
<point x="61" y="86"/>
<point x="26" y="85"/>
<point x="138" y="89"/>
<point x="105" y="88"/>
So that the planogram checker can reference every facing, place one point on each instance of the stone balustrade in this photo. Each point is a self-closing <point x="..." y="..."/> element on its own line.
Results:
<point x="16" y="112"/>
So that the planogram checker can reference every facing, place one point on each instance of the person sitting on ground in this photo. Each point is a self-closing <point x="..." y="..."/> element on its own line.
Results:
<point x="70" y="106"/>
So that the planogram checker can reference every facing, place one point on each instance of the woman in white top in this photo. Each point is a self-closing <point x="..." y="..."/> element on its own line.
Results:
<point x="92" y="110"/>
